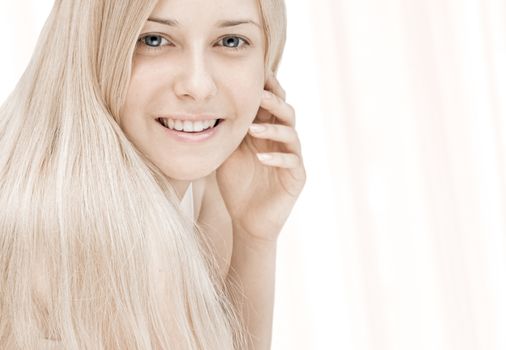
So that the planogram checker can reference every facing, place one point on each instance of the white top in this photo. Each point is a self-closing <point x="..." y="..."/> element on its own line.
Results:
<point x="187" y="202"/>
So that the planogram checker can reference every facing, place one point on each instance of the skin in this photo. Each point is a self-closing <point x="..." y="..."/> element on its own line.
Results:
<point x="245" y="197"/>
<point x="195" y="70"/>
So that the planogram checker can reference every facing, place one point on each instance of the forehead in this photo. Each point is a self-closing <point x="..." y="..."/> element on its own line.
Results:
<point x="206" y="12"/>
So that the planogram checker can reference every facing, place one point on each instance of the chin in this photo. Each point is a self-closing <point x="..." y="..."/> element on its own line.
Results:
<point x="192" y="168"/>
<point x="188" y="173"/>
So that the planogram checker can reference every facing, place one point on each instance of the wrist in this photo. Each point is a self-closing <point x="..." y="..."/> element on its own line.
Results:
<point x="243" y="236"/>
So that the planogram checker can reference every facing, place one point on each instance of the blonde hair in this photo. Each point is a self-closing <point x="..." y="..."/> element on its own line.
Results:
<point x="95" y="252"/>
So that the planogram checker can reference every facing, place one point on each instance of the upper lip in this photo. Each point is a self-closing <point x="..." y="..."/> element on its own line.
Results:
<point x="191" y="117"/>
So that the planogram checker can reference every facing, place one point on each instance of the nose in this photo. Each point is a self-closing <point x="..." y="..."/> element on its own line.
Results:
<point x="194" y="80"/>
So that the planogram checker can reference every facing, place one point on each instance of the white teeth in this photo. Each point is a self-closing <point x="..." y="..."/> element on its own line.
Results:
<point x="188" y="126"/>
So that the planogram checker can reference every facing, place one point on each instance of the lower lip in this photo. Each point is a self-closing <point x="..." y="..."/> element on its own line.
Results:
<point x="193" y="137"/>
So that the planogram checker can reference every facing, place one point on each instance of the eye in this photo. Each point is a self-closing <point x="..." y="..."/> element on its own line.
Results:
<point x="152" y="41"/>
<point x="234" y="42"/>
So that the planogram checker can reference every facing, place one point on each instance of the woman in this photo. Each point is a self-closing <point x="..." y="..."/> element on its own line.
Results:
<point x="96" y="251"/>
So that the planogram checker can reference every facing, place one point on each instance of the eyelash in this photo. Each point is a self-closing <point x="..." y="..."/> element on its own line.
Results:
<point x="157" y="48"/>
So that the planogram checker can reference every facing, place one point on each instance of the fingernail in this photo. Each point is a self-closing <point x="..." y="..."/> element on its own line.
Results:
<point x="264" y="156"/>
<point x="267" y="94"/>
<point x="257" y="128"/>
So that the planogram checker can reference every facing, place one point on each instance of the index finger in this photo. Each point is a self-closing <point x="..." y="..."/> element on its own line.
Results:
<point x="274" y="86"/>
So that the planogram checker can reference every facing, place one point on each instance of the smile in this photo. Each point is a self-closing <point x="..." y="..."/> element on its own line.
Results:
<point x="188" y="125"/>
<point x="190" y="132"/>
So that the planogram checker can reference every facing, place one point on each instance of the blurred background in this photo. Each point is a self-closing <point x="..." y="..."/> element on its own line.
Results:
<point x="398" y="239"/>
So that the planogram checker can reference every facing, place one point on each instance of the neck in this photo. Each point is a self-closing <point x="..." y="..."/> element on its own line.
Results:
<point x="180" y="186"/>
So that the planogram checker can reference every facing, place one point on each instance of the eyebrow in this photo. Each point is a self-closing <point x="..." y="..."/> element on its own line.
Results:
<point x="220" y="24"/>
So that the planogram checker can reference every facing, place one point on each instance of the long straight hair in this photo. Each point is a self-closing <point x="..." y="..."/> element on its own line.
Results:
<point x="95" y="252"/>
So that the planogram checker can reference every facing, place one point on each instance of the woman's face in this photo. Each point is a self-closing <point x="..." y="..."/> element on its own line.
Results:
<point x="199" y="65"/>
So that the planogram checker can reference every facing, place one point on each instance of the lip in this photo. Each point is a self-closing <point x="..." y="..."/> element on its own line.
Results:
<point x="196" y="137"/>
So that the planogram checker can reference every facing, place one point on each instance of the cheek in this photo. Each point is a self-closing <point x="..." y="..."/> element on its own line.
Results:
<point x="247" y="93"/>
<point x="141" y="86"/>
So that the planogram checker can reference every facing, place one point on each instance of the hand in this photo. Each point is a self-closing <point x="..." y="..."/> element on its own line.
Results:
<point x="260" y="194"/>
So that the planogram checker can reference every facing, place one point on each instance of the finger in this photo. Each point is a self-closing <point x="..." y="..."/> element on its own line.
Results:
<point x="280" y="133"/>
<point x="279" y="108"/>
<point x="263" y="115"/>
<point x="282" y="160"/>
<point x="272" y="84"/>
